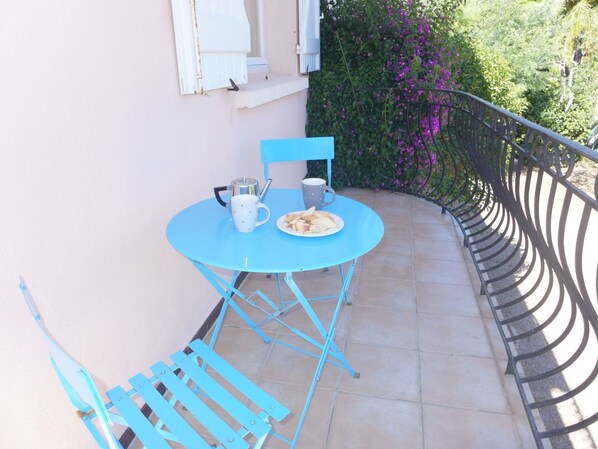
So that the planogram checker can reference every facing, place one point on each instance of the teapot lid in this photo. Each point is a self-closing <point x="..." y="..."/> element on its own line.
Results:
<point x="244" y="181"/>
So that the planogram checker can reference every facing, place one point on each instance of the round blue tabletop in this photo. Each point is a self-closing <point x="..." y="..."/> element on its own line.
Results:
<point x="205" y="232"/>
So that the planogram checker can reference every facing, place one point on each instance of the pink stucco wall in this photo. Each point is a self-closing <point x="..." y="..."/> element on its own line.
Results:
<point x="97" y="151"/>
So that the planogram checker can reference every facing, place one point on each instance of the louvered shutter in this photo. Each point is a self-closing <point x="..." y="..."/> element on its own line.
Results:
<point x="309" y="35"/>
<point x="212" y="42"/>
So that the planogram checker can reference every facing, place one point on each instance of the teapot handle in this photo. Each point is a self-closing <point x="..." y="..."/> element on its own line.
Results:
<point x="217" y="191"/>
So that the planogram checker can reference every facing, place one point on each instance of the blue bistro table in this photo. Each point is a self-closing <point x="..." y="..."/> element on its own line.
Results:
<point x="206" y="235"/>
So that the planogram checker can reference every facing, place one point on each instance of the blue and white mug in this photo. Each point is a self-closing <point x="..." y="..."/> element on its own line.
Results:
<point x="245" y="209"/>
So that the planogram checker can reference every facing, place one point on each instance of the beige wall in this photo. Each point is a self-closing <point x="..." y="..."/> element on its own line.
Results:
<point x="97" y="152"/>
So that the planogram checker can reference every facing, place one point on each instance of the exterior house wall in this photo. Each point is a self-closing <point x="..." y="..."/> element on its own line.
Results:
<point x="98" y="151"/>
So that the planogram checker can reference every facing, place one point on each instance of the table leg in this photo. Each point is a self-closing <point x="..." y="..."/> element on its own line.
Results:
<point x="327" y="334"/>
<point x="329" y="347"/>
<point x="227" y="290"/>
<point x="342" y="274"/>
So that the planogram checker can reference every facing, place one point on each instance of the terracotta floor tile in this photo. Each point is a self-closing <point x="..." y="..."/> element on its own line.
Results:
<point x="446" y="299"/>
<point x="395" y="214"/>
<point x="429" y="214"/>
<point x="380" y="264"/>
<point x="297" y="317"/>
<point x="433" y="231"/>
<point x="441" y="250"/>
<point x="498" y="347"/>
<point x="243" y="349"/>
<point x="383" y="326"/>
<point x="382" y="292"/>
<point x="256" y="315"/>
<point x="419" y="204"/>
<point x="317" y="423"/>
<point x="364" y="196"/>
<point x="461" y="381"/>
<point x="395" y="243"/>
<point x="512" y="393"/>
<point x="441" y="272"/>
<point x="319" y="283"/>
<point x="366" y="422"/>
<point x="391" y="201"/>
<point x="453" y="428"/>
<point x="485" y="307"/>
<point x="453" y="334"/>
<point x="384" y="372"/>
<point x="285" y="364"/>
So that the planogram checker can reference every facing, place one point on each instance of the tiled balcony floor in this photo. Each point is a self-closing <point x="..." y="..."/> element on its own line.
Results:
<point x="425" y="344"/>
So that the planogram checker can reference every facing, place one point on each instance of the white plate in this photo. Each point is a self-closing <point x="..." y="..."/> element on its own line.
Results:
<point x="338" y="220"/>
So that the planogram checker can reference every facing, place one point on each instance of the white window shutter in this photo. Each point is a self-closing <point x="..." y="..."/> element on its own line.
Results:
<point x="212" y="42"/>
<point x="309" y="35"/>
<point x="187" y="47"/>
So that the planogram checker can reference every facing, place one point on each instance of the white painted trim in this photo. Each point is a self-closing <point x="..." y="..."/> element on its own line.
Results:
<point x="264" y="87"/>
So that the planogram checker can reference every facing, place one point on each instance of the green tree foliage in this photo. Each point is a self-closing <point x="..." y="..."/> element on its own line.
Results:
<point x="573" y="122"/>
<point x="550" y="49"/>
<point x="367" y="48"/>
<point x="486" y="73"/>
<point x="579" y="82"/>
<point x="523" y="32"/>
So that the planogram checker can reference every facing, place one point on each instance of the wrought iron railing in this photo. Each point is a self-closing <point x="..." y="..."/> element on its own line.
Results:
<point x="530" y="221"/>
<point x="532" y="231"/>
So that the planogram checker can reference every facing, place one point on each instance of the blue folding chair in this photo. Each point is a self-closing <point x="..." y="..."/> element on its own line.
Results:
<point x="299" y="149"/>
<point x="183" y="397"/>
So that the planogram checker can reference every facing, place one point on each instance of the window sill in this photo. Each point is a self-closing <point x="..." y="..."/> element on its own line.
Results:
<point x="264" y="87"/>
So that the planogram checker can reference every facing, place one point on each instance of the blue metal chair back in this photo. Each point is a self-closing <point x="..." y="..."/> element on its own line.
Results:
<point x="76" y="380"/>
<point x="298" y="149"/>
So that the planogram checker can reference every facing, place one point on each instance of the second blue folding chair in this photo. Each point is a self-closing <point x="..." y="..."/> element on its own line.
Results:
<point x="187" y="404"/>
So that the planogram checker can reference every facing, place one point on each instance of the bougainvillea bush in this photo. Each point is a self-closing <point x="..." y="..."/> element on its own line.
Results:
<point x="375" y="54"/>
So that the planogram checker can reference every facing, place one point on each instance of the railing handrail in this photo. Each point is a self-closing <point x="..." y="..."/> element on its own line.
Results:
<point x="576" y="146"/>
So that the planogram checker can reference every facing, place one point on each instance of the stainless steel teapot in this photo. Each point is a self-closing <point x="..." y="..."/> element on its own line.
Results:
<point x="241" y="186"/>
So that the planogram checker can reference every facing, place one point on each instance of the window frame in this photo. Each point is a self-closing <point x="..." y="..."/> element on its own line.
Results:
<point x="260" y="62"/>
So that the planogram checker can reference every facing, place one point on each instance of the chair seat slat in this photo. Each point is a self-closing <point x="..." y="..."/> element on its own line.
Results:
<point x="226" y="400"/>
<point x="163" y="410"/>
<point x="144" y="430"/>
<point x="249" y="389"/>
<point x="201" y="411"/>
